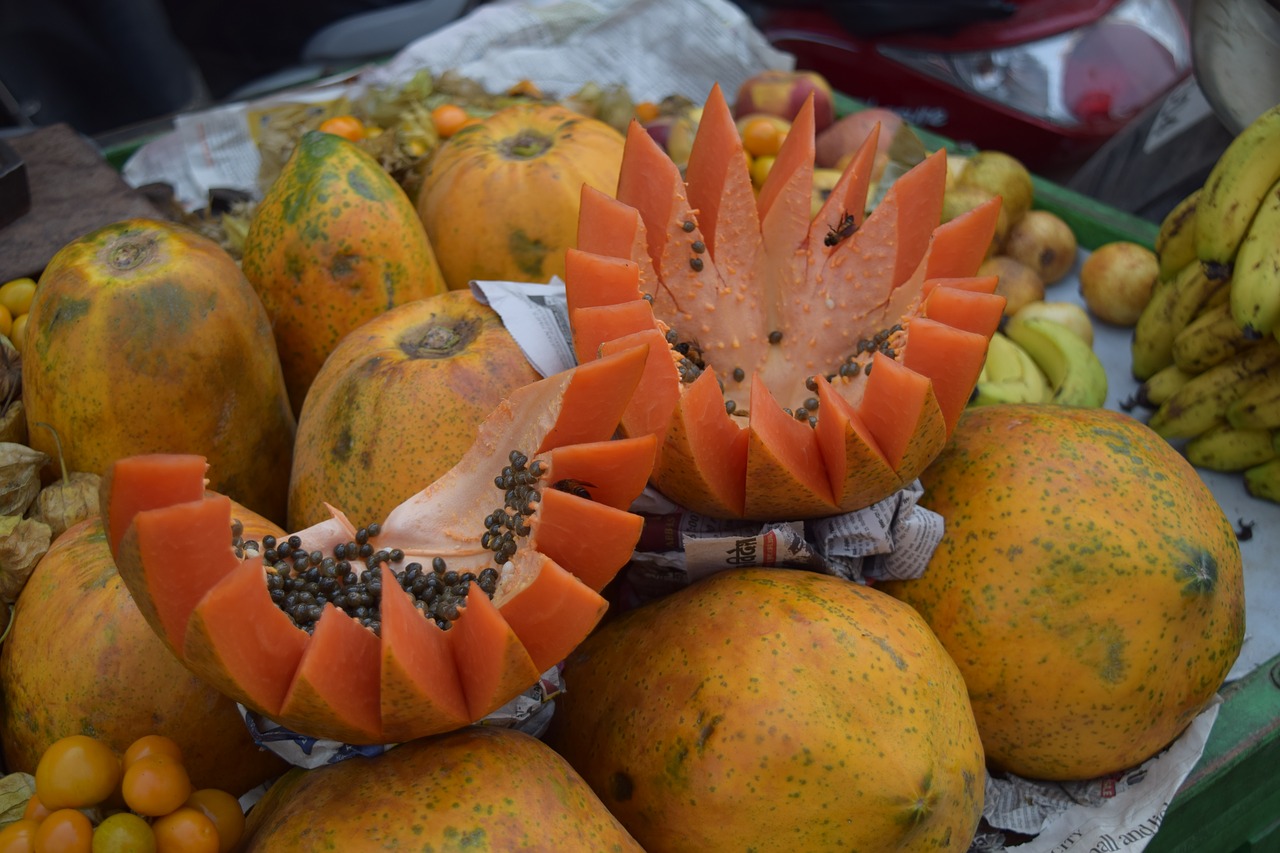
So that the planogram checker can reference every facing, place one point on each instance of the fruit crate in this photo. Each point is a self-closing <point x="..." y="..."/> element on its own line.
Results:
<point x="1230" y="803"/>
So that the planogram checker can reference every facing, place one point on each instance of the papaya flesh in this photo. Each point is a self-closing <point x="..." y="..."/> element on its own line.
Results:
<point x="478" y="789"/>
<point x="787" y="312"/>
<point x="422" y="621"/>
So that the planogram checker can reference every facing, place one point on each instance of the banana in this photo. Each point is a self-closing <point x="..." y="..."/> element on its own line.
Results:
<point x="1209" y="339"/>
<point x="1161" y="385"/>
<point x="1172" y="306"/>
<point x="1074" y="371"/>
<point x="1204" y="399"/>
<point x="1009" y="375"/>
<point x="1234" y="190"/>
<point x="1255" y="276"/>
<point x="1224" y="448"/>
<point x="1263" y="481"/>
<point x="1176" y="241"/>
<point x="1257" y="408"/>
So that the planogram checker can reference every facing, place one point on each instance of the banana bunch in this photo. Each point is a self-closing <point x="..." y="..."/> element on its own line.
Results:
<point x="1207" y="347"/>
<point x="1237" y="224"/>
<point x="1037" y="360"/>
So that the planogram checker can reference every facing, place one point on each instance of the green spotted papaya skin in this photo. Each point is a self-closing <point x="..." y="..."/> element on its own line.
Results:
<point x="763" y="710"/>
<point x="477" y="790"/>
<point x="397" y="404"/>
<point x="144" y="337"/>
<point x="335" y="242"/>
<point x="1088" y="585"/>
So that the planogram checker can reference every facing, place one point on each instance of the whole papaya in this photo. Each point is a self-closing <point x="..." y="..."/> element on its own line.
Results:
<point x="334" y="242"/>
<point x="144" y="337"/>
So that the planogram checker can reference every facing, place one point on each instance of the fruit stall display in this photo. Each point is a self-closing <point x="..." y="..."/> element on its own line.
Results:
<point x="242" y="428"/>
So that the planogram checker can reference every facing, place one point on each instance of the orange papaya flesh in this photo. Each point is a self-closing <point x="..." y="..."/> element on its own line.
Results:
<point x="492" y="662"/>
<point x="155" y="480"/>
<point x="969" y="310"/>
<point x="753" y="287"/>
<point x="337" y="682"/>
<point x="596" y="324"/>
<point x="412" y="666"/>
<point x="612" y="279"/>
<point x="951" y="357"/>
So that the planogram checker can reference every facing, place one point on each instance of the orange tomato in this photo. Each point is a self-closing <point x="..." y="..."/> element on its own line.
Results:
<point x="152" y="745"/>
<point x="64" y="831"/>
<point x="155" y="785"/>
<point x="35" y="809"/>
<point x="646" y="111"/>
<point x="449" y="119"/>
<point x="225" y="812"/>
<point x="762" y="137"/>
<point x="186" y="830"/>
<point x="19" y="836"/>
<point x="346" y="126"/>
<point x="77" y="771"/>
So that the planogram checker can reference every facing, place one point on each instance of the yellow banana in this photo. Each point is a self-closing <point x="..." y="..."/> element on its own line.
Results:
<point x="1221" y="295"/>
<point x="1204" y="399"/>
<point x="1234" y="190"/>
<point x="1209" y="339"/>
<point x="1172" y="306"/>
<point x="1255" y="276"/>
<point x="1162" y="384"/>
<point x="1009" y="375"/>
<point x="1224" y="448"/>
<point x="1259" y="407"/>
<point x="1263" y="481"/>
<point x="1176" y="241"/>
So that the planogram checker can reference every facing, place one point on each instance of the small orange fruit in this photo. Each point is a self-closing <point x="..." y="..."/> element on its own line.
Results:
<point x="449" y="119"/>
<point x="347" y="126"/>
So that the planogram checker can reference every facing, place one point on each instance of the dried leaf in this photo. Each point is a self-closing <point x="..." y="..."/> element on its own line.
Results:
<point x="13" y="424"/>
<point x="15" y="790"/>
<point x="66" y="502"/>
<point x="19" y="477"/>
<point x="20" y="550"/>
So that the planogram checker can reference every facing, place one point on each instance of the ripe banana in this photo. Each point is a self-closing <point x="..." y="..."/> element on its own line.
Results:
<point x="1010" y="375"/>
<point x="1172" y="306"/>
<point x="1255" y="276"/>
<point x="1161" y="385"/>
<point x="1224" y="448"/>
<point x="1263" y="481"/>
<point x="1074" y="371"/>
<point x="1209" y="339"/>
<point x="1176" y="241"/>
<point x="1204" y="399"/>
<point x="1234" y="190"/>
<point x="1257" y="408"/>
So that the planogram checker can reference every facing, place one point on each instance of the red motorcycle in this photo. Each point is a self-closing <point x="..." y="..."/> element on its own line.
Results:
<point x="1048" y="81"/>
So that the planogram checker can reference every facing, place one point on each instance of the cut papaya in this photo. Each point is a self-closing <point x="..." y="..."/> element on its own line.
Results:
<point x="427" y="620"/>
<point x="786" y="312"/>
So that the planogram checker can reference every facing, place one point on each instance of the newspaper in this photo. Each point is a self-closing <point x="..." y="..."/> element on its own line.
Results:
<point x="559" y="44"/>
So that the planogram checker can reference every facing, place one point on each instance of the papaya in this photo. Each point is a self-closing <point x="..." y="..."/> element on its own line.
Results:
<point x="334" y="242"/>
<point x="500" y="198"/>
<point x="1087" y="583"/>
<point x="805" y="372"/>
<point x="477" y="789"/>
<point x="397" y="403"/>
<point x="144" y="337"/>
<point x="763" y="709"/>
<point x="80" y="659"/>
<point x="421" y="621"/>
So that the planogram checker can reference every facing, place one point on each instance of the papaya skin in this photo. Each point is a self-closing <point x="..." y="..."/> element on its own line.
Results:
<point x="1088" y="585"/>
<point x="398" y="403"/>
<point x="500" y="199"/>
<point x="144" y="337"/>
<point x="764" y="709"/>
<point x="79" y="637"/>
<point x="334" y="243"/>
<point x="477" y="789"/>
